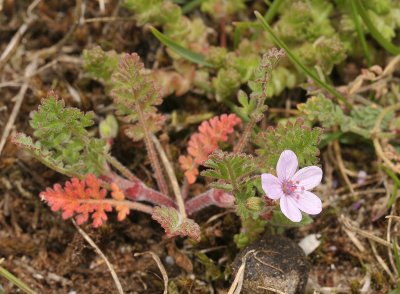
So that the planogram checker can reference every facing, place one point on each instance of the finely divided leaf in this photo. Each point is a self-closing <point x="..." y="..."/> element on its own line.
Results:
<point x="205" y="141"/>
<point x="63" y="139"/>
<point x="230" y="170"/>
<point x="292" y="136"/>
<point x="136" y="95"/>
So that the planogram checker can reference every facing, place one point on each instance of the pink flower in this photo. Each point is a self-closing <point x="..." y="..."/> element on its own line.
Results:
<point x="292" y="187"/>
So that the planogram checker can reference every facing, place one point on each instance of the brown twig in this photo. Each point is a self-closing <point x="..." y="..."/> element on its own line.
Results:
<point x="45" y="52"/>
<point x="346" y="222"/>
<point x="340" y="163"/>
<point x="101" y="254"/>
<point x="160" y="266"/>
<point x="376" y="140"/>
<point x="381" y="262"/>
<point x="17" y="38"/>
<point x="17" y="106"/>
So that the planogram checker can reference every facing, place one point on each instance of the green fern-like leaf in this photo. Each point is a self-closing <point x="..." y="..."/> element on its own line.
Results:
<point x="229" y="170"/>
<point x="63" y="139"/>
<point x="100" y="64"/>
<point x="293" y="136"/>
<point x="232" y="173"/>
<point x="365" y="117"/>
<point x="322" y="110"/>
<point x="145" y="11"/>
<point x="136" y="96"/>
<point x="222" y="8"/>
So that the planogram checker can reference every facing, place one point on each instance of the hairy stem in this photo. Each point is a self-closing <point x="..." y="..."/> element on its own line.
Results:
<point x="222" y="39"/>
<point x="152" y="154"/>
<point x="245" y="136"/>
<point x="138" y="191"/>
<point x="121" y="168"/>
<point x="208" y="198"/>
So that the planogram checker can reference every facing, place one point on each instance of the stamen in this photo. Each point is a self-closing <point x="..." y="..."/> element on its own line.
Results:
<point x="289" y="187"/>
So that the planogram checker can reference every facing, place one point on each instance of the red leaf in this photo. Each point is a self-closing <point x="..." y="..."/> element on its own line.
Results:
<point x="71" y="200"/>
<point x="205" y="141"/>
<point x="118" y="194"/>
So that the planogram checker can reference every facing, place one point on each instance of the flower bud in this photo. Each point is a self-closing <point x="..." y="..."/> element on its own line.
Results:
<point x="255" y="203"/>
<point x="109" y="127"/>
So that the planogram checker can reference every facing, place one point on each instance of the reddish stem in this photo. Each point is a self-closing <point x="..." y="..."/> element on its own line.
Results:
<point x="222" y="38"/>
<point x="138" y="191"/>
<point x="208" y="198"/>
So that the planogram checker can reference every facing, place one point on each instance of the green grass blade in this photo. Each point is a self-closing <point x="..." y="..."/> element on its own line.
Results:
<point x="396" y="255"/>
<point x="297" y="62"/>
<point x="191" y="6"/>
<point x="272" y="10"/>
<point x="182" y="51"/>
<point x="374" y="32"/>
<point x="17" y="282"/>
<point x="396" y="185"/>
<point x="360" y="32"/>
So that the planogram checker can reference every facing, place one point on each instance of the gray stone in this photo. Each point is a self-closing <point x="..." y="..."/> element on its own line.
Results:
<point x="277" y="265"/>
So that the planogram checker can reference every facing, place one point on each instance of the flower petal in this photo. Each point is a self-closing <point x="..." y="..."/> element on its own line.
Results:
<point x="308" y="177"/>
<point x="309" y="203"/>
<point x="287" y="165"/>
<point x="271" y="186"/>
<point x="289" y="209"/>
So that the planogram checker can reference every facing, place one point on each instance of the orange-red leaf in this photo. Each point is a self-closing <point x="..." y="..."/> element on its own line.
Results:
<point x="205" y="141"/>
<point x="74" y="200"/>
<point x="118" y="194"/>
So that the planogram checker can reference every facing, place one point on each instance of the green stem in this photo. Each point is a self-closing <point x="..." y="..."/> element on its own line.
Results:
<point x="233" y="179"/>
<point x="121" y="168"/>
<point x="360" y="32"/>
<point x="373" y="30"/>
<point x="57" y="168"/>
<point x="296" y="61"/>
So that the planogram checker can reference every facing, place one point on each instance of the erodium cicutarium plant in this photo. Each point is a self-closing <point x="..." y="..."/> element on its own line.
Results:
<point x="219" y="151"/>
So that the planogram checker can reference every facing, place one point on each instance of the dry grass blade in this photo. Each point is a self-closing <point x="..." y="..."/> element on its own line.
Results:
<point x="346" y="222"/>
<point x="395" y="217"/>
<point x="237" y="284"/>
<point x="271" y="289"/>
<point x="381" y="262"/>
<point x="171" y="175"/>
<point x="17" y="38"/>
<point x="160" y="266"/>
<point x="99" y="252"/>
<point x="19" y="98"/>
